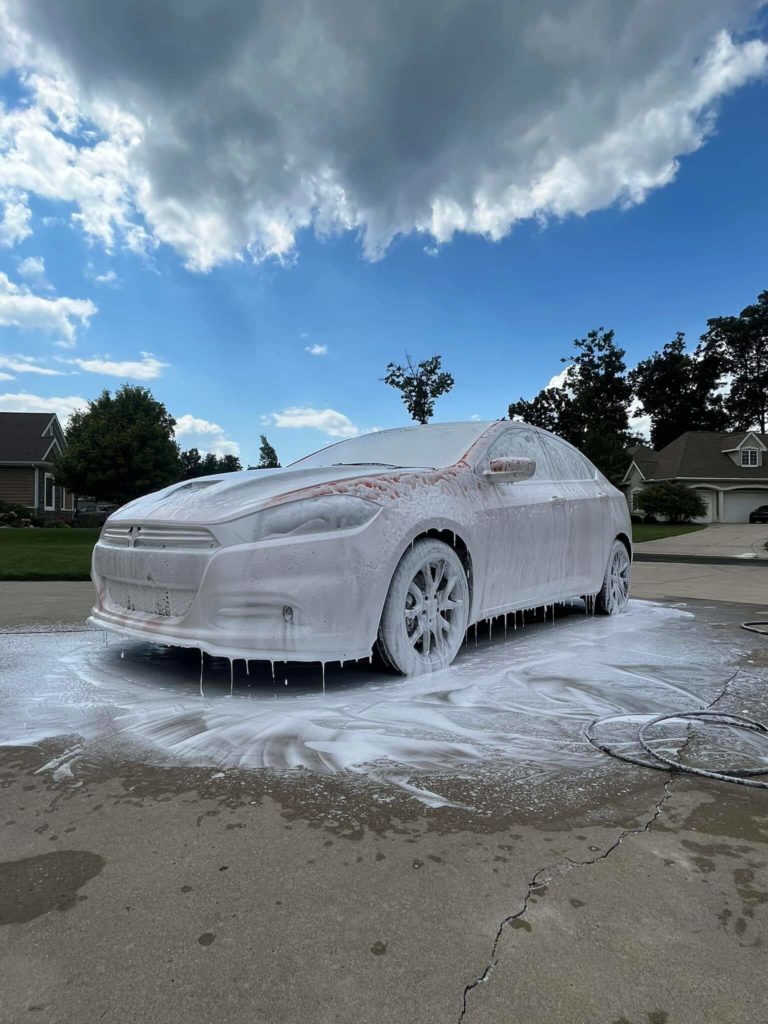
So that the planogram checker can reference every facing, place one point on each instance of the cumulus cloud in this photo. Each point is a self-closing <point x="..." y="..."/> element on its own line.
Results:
<point x="265" y="119"/>
<point x="14" y="222"/>
<point x="32" y="269"/>
<point x="19" y="307"/>
<point x="329" y="421"/>
<point x="212" y="437"/>
<point x="316" y="350"/>
<point x="26" y="364"/>
<point x="22" y="401"/>
<point x="147" y="368"/>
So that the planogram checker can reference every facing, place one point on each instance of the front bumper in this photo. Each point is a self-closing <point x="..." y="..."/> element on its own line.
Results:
<point x="233" y="601"/>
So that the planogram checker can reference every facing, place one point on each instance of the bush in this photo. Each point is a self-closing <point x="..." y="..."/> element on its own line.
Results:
<point x="677" y="502"/>
<point x="14" y="515"/>
<point x="89" y="520"/>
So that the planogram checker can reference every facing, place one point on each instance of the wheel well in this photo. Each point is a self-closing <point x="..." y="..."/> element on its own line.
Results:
<point x="455" y="541"/>
<point x="626" y="542"/>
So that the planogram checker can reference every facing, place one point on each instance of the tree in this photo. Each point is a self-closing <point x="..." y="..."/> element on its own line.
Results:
<point x="679" y="391"/>
<point x="676" y="501"/>
<point x="419" y="385"/>
<point x="194" y="464"/>
<point x="741" y="342"/>
<point x="119" y="448"/>
<point x="267" y="456"/>
<point x="591" y="408"/>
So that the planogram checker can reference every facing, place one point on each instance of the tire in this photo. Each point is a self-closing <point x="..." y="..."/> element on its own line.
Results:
<point x="614" y="593"/>
<point x="426" y="611"/>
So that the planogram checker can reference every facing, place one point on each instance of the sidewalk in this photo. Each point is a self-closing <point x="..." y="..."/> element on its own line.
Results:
<point x="44" y="604"/>
<point x="718" y="540"/>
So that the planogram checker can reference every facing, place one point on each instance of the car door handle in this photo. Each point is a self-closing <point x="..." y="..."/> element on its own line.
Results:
<point x="557" y="500"/>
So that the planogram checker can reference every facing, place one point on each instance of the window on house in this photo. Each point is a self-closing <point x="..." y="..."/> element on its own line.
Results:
<point x="749" y="456"/>
<point x="49" y="493"/>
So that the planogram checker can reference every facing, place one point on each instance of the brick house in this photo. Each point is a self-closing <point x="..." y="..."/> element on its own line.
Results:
<point x="28" y="441"/>
<point x="729" y="471"/>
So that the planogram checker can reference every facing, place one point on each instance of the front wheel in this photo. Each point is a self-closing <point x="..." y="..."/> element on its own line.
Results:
<point x="427" y="609"/>
<point x="614" y="593"/>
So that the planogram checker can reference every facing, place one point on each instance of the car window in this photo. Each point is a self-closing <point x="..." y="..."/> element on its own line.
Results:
<point x="567" y="464"/>
<point x="522" y="443"/>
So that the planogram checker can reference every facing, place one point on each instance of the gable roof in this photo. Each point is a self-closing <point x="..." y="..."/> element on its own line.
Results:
<point x="23" y="436"/>
<point x="644" y="458"/>
<point x="703" y="454"/>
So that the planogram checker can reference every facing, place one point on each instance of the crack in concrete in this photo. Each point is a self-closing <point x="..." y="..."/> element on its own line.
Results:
<point x="546" y="874"/>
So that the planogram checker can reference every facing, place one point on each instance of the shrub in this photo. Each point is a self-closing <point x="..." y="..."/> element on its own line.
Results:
<point x="677" y="502"/>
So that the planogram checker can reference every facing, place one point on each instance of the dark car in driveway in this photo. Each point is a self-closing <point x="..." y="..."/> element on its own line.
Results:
<point x="759" y="515"/>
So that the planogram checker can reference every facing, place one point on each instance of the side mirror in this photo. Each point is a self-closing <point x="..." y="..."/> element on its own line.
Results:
<point x="508" y="470"/>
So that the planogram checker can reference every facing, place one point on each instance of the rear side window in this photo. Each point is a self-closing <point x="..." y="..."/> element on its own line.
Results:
<point x="567" y="464"/>
<point x="522" y="443"/>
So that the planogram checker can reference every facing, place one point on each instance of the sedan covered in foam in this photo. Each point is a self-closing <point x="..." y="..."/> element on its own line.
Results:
<point x="398" y="540"/>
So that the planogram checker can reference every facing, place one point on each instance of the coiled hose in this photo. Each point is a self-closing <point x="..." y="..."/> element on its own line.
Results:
<point x="662" y="762"/>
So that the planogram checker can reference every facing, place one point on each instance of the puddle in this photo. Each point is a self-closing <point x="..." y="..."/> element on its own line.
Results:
<point x="523" y="698"/>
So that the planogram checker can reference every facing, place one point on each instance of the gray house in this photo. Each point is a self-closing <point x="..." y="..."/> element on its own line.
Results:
<point x="28" y="441"/>
<point x="729" y="471"/>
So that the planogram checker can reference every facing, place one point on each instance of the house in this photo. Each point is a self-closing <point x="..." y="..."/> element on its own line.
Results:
<point x="729" y="471"/>
<point x="28" y="441"/>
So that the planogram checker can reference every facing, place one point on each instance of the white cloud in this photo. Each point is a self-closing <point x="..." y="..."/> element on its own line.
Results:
<point x="559" y="379"/>
<point x="107" y="278"/>
<point x="316" y="350"/>
<point x="24" y="402"/>
<point x="422" y="118"/>
<point x="212" y="437"/>
<point x="7" y="376"/>
<point x="14" y="223"/>
<point x="639" y="424"/>
<point x="26" y="364"/>
<point x="329" y="421"/>
<point x="32" y="269"/>
<point x="147" y="368"/>
<point x="19" y="307"/>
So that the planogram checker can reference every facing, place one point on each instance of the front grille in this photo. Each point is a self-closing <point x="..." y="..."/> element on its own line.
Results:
<point x="165" y="602"/>
<point x="152" y="568"/>
<point x="179" y="538"/>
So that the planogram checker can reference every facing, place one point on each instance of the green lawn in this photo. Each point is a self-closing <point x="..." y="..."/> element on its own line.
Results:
<point x="655" y="531"/>
<point x="46" y="554"/>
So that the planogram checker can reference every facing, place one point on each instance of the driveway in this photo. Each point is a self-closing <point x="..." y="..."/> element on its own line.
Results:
<point x="454" y="852"/>
<point x="719" y="540"/>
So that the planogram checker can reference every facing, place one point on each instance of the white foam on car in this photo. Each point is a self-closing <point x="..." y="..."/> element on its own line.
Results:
<point x="526" y="698"/>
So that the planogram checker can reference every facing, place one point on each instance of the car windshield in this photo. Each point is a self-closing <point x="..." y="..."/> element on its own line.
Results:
<point x="434" y="446"/>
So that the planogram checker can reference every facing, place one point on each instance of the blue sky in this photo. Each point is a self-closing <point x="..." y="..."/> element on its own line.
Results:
<point x="228" y="344"/>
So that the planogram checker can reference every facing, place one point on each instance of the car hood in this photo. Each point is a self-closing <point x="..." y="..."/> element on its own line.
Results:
<point x="210" y="499"/>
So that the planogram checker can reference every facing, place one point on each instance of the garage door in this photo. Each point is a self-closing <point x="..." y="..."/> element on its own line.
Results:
<point x="738" y="504"/>
<point x="708" y="497"/>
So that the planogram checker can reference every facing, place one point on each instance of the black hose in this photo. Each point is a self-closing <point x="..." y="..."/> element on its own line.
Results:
<point x="660" y="762"/>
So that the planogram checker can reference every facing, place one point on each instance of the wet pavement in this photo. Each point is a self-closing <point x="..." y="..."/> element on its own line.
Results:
<point x="415" y="850"/>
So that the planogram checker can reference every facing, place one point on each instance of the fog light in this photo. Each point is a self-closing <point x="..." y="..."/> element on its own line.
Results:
<point x="287" y="613"/>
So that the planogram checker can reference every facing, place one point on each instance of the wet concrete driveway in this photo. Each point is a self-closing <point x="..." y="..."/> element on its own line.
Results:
<point x="394" y="860"/>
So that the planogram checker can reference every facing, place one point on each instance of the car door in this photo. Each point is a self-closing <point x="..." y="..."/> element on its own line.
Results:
<point x="578" y="498"/>
<point x="523" y="552"/>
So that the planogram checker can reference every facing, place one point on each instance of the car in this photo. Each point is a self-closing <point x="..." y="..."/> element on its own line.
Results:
<point x="759" y="515"/>
<point x="397" y="540"/>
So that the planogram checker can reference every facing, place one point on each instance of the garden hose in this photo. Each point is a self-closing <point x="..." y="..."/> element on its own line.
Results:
<point x="662" y="762"/>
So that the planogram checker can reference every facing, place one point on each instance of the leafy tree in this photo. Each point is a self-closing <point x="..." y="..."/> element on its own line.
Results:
<point x="194" y="464"/>
<point x="267" y="456"/>
<point x="741" y="342"/>
<point x="676" y="501"/>
<point x="679" y="391"/>
<point x="419" y="385"/>
<point x="591" y="408"/>
<point x="120" y="447"/>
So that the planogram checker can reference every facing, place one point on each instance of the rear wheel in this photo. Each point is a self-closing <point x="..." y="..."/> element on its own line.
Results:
<point x="427" y="608"/>
<point x="614" y="593"/>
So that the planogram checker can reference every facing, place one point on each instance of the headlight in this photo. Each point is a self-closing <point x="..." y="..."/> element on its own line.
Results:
<point x="313" y="515"/>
